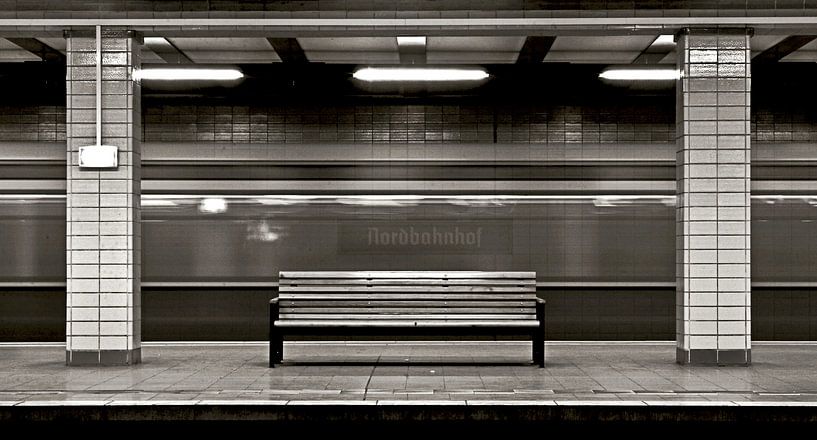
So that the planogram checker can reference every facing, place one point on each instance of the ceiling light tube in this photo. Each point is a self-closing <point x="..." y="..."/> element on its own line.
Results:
<point x="635" y="74"/>
<point x="380" y="74"/>
<point x="180" y="74"/>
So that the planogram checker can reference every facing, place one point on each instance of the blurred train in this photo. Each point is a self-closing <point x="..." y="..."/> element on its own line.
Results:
<point x="605" y="263"/>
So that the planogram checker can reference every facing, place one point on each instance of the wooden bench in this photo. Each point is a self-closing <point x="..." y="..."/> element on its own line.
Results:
<point x="407" y="303"/>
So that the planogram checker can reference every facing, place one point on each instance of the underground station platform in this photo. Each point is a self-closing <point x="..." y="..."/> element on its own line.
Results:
<point x="625" y="190"/>
<point x="371" y="387"/>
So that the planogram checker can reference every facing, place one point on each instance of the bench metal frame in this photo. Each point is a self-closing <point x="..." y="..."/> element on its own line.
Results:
<point x="278" y="333"/>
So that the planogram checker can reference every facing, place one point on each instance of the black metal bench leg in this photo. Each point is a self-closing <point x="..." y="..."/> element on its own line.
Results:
<point x="276" y="337"/>
<point x="539" y="335"/>
<point x="276" y="349"/>
<point x="538" y="350"/>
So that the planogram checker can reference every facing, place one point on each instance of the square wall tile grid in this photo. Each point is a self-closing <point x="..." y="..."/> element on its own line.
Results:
<point x="784" y="122"/>
<point x="103" y="233"/>
<point x="401" y="124"/>
<point x="713" y="208"/>
<point x="368" y="124"/>
<point x="36" y="123"/>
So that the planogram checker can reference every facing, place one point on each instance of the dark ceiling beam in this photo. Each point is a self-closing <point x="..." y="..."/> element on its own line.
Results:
<point x="785" y="47"/>
<point x="170" y="52"/>
<point x="650" y="57"/>
<point x="289" y="50"/>
<point x="535" y="50"/>
<point x="654" y="53"/>
<point x="37" y="47"/>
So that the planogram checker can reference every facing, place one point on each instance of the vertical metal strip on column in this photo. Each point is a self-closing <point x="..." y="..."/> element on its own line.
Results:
<point x="99" y="85"/>
<point x="99" y="182"/>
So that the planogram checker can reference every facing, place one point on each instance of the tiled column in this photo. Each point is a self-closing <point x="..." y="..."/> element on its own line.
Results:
<point x="712" y="219"/>
<point x="103" y="233"/>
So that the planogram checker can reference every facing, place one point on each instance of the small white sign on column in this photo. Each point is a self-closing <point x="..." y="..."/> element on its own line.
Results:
<point x="98" y="156"/>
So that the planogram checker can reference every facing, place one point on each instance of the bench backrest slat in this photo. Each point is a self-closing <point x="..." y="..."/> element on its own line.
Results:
<point x="406" y="282"/>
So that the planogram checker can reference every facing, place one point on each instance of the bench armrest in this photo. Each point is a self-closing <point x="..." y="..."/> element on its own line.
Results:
<point x="273" y="301"/>
<point x="540" y="301"/>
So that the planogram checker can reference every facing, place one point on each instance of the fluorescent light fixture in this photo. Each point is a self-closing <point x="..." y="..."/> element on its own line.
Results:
<point x="411" y="41"/>
<point x="213" y="205"/>
<point x="179" y="74"/>
<point x="636" y="74"/>
<point x="378" y="74"/>
<point x="98" y="156"/>
<point x="664" y="40"/>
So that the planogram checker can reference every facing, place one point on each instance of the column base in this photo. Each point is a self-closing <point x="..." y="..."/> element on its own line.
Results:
<point x="103" y="357"/>
<point x="722" y="358"/>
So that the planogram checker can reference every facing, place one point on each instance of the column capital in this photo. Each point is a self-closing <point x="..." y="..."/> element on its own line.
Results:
<point x="107" y="32"/>
<point x="715" y="31"/>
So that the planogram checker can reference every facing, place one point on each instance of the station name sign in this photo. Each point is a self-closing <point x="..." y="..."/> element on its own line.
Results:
<point x="426" y="237"/>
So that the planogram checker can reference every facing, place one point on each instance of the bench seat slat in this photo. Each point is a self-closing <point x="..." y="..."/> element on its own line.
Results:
<point x="406" y="282"/>
<point x="405" y="303"/>
<point x="408" y="316"/>
<point x="397" y="310"/>
<point x="527" y="323"/>
<point x="405" y="274"/>
<point x="408" y="289"/>
<point x="385" y="296"/>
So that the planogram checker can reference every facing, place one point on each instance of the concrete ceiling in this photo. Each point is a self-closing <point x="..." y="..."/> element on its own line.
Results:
<point x="10" y="52"/>
<point x="371" y="50"/>
<point x="763" y="42"/>
<point x="612" y="50"/>
<point x="226" y="50"/>
<point x="476" y="50"/>
<point x="56" y="43"/>
<point x="807" y="53"/>
<point x="438" y="50"/>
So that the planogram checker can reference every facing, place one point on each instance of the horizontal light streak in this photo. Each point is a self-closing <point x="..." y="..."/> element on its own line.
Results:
<point x="805" y="197"/>
<point x="634" y="74"/>
<point x="188" y="74"/>
<point x="403" y="74"/>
